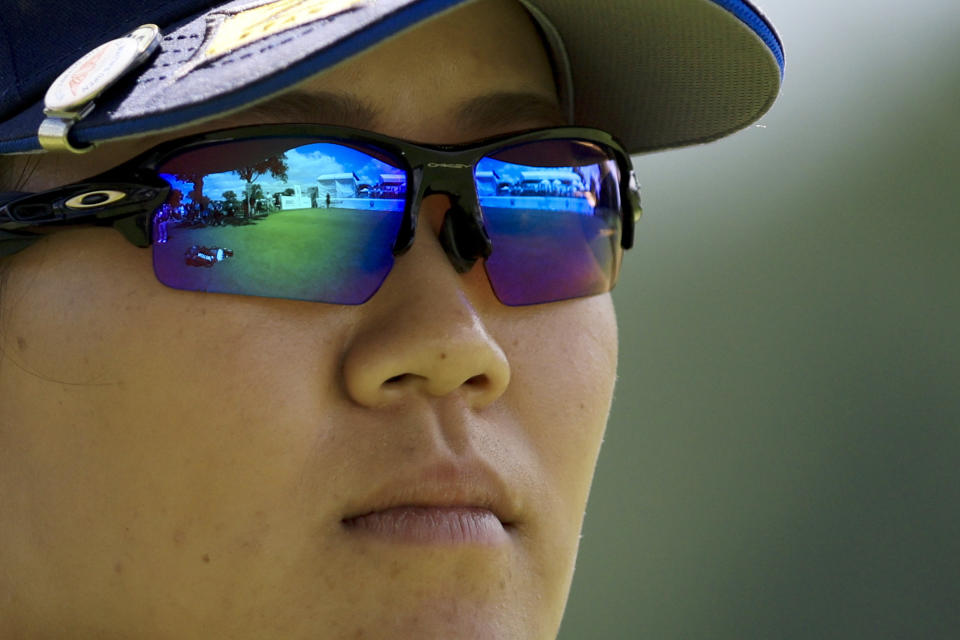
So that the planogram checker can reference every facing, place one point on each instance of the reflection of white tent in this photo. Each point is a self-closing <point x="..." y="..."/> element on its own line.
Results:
<point x="392" y="183"/>
<point x="296" y="201"/>
<point x="564" y="176"/>
<point x="486" y="183"/>
<point x="337" y="185"/>
<point x="548" y="189"/>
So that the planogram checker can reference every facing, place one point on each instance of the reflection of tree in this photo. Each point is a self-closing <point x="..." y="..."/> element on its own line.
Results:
<point x="231" y="203"/>
<point x="254" y="194"/>
<point x="195" y="195"/>
<point x="175" y="199"/>
<point x="275" y="165"/>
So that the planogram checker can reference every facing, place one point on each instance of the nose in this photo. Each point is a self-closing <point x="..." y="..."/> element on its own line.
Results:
<point x="423" y="334"/>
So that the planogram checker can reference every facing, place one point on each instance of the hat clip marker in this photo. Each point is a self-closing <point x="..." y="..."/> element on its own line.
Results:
<point x="70" y="98"/>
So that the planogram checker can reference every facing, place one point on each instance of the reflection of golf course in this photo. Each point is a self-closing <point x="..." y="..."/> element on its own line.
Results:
<point x="343" y="255"/>
<point x="543" y="255"/>
<point x="303" y="253"/>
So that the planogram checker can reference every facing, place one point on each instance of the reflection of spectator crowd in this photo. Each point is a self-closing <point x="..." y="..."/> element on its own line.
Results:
<point x="544" y="187"/>
<point x="213" y="213"/>
<point x="382" y="191"/>
<point x="188" y="215"/>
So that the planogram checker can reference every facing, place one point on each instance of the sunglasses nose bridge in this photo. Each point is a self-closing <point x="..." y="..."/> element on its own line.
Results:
<point x="462" y="234"/>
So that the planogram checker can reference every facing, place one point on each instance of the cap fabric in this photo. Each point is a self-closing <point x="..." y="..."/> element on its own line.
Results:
<point x="656" y="73"/>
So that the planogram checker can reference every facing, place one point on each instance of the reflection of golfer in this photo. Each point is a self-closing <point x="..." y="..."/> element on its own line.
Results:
<point x="328" y="201"/>
<point x="197" y="256"/>
<point x="160" y="225"/>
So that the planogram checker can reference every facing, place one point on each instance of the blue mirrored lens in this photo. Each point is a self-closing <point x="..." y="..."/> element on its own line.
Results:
<point x="552" y="211"/>
<point x="279" y="217"/>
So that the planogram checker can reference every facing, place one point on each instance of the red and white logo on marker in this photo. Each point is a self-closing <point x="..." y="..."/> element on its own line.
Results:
<point x="86" y="78"/>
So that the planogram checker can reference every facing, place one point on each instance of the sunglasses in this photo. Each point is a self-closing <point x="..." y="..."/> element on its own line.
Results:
<point x="320" y="213"/>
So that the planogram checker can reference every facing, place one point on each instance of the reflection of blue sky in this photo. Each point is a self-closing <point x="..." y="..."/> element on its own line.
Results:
<point x="304" y="165"/>
<point x="178" y="185"/>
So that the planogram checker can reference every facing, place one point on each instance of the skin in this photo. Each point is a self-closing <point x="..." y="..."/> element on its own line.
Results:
<point x="177" y="464"/>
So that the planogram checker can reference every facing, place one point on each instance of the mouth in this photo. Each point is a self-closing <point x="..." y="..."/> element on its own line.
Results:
<point x="442" y="525"/>
<point x="445" y="504"/>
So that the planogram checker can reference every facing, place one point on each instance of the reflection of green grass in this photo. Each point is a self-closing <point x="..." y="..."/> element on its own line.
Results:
<point x="539" y="255"/>
<point x="293" y="247"/>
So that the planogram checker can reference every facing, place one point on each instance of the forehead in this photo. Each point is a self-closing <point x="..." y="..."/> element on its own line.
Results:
<point x="435" y="82"/>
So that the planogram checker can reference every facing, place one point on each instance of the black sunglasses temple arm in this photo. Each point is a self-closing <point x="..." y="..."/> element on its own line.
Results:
<point x="123" y="205"/>
<point x="633" y="209"/>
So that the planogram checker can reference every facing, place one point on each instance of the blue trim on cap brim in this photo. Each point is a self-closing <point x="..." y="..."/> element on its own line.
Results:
<point x="751" y="16"/>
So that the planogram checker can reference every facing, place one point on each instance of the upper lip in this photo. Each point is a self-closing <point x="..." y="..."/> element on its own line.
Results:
<point x="443" y="484"/>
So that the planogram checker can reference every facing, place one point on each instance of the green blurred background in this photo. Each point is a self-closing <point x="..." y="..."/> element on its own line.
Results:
<point x="783" y="459"/>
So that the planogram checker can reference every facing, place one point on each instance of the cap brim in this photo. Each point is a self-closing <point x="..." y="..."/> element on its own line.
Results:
<point x="668" y="73"/>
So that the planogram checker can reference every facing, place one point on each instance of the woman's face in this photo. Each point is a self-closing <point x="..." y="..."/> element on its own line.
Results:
<point x="186" y="465"/>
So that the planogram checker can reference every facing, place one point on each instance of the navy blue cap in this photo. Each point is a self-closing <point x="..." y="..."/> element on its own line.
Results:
<point x="656" y="73"/>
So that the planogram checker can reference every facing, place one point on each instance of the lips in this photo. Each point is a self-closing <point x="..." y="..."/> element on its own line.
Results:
<point x="431" y="525"/>
<point x="446" y="504"/>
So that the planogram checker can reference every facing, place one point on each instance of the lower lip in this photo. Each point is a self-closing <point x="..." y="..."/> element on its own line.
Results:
<point x="431" y="525"/>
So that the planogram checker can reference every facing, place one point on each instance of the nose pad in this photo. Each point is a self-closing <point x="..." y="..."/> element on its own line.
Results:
<point x="463" y="238"/>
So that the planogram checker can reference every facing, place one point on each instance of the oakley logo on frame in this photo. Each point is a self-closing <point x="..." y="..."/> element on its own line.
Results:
<point x="449" y="165"/>
<point x="93" y="199"/>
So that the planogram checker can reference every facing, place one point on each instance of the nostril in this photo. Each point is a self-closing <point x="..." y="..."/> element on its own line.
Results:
<point x="478" y="382"/>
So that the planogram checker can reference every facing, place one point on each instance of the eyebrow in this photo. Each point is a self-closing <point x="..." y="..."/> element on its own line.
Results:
<point x="509" y="108"/>
<point x="481" y="113"/>
<point x="333" y="108"/>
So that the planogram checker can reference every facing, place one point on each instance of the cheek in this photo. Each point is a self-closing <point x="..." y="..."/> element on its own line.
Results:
<point x="563" y="368"/>
<point x="99" y="352"/>
<point x="86" y="311"/>
<point x="563" y="374"/>
<point x="566" y="367"/>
